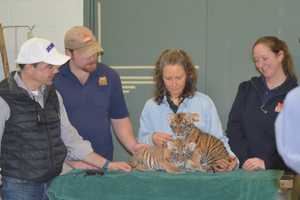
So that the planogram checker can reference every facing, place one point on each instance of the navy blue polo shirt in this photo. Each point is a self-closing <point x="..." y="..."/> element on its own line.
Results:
<point x="91" y="106"/>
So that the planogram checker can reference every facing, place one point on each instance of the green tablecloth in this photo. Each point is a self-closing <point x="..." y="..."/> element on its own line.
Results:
<point x="260" y="185"/>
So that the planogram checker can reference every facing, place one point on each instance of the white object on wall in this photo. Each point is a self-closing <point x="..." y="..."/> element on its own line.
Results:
<point x="50" y="18"/>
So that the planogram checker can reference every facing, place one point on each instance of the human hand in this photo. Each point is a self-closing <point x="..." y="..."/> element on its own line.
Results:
<point x="253" y="164"/>
<point x="80" y="165"/>
<point x="139" y="146"/>
<point x="224" y="165"/>
<point x="161" y="139"/>
<point x="122" y="166"/>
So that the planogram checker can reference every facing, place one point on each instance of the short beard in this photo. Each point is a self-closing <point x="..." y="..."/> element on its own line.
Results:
<point x="89" y="69"/>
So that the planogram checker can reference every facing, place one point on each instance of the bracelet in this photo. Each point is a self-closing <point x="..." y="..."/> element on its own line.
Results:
<point x="105" y="166"/>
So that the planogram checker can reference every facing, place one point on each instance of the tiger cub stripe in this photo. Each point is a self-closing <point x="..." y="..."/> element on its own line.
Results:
<point x="169" y="158"/>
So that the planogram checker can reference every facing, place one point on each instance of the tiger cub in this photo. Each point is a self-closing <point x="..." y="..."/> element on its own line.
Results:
<point x="182" y="123"/>
<point x="170" y="158"/>
<point x="206" y="149"/>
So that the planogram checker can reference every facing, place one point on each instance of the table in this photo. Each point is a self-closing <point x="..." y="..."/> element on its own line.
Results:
<point x="239" y="184"/>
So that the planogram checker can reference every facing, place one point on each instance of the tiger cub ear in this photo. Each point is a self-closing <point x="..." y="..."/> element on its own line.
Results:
<point x="171" y="117"/>
<point x="193" y="117"/>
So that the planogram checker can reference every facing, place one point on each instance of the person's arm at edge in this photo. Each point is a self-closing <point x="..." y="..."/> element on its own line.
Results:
<point x="287" y="127"/>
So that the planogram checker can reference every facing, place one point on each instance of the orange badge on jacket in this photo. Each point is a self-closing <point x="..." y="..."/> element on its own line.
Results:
<point x="279" y="106"/>
<point x="102" y="81"/>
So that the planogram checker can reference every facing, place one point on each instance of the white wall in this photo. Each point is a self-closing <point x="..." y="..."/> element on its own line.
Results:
<point x="51" y="20"/>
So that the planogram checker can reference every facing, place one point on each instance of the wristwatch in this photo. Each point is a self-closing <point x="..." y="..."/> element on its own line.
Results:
<point x="105" y="166"/>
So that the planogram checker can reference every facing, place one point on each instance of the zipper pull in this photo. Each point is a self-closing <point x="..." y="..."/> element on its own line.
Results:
<point x="263" y="110"/>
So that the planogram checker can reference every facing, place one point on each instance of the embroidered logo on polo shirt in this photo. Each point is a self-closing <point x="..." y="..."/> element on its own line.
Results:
<point x="279" y="106"/>
<point x="102" y="81"/>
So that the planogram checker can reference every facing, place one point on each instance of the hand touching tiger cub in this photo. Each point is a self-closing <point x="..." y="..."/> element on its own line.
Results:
<point x="161" y="138"/>
<point x="208" y="152"/>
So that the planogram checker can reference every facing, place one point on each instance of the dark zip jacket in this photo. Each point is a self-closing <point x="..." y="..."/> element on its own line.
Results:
<point x="250" y="127"/>
<point x="31" y="147"/>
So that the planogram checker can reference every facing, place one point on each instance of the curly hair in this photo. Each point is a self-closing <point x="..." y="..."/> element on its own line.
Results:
<point x="174" y="57"/>
<point x="276" y="45"/>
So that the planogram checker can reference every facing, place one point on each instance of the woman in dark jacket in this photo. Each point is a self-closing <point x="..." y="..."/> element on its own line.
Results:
<point x="251" y="121"/>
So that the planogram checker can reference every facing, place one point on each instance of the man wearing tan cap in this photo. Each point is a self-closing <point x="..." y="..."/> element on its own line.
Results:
<point x="93" y="94"/>
<point x="35" y="133"/>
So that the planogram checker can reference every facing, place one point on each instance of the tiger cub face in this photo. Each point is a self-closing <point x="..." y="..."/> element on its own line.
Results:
<point x="182" y="123"/>
<point x="179" y="153"/>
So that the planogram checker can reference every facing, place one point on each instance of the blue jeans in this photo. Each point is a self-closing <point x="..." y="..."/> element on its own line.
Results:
<point x="18" y="189"/>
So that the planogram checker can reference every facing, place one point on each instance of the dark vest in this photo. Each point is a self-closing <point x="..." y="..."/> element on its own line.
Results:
<point x="31" y="147"/>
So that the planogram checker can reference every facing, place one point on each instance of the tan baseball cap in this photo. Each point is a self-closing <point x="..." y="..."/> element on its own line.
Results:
<point x="81" y="39"/>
